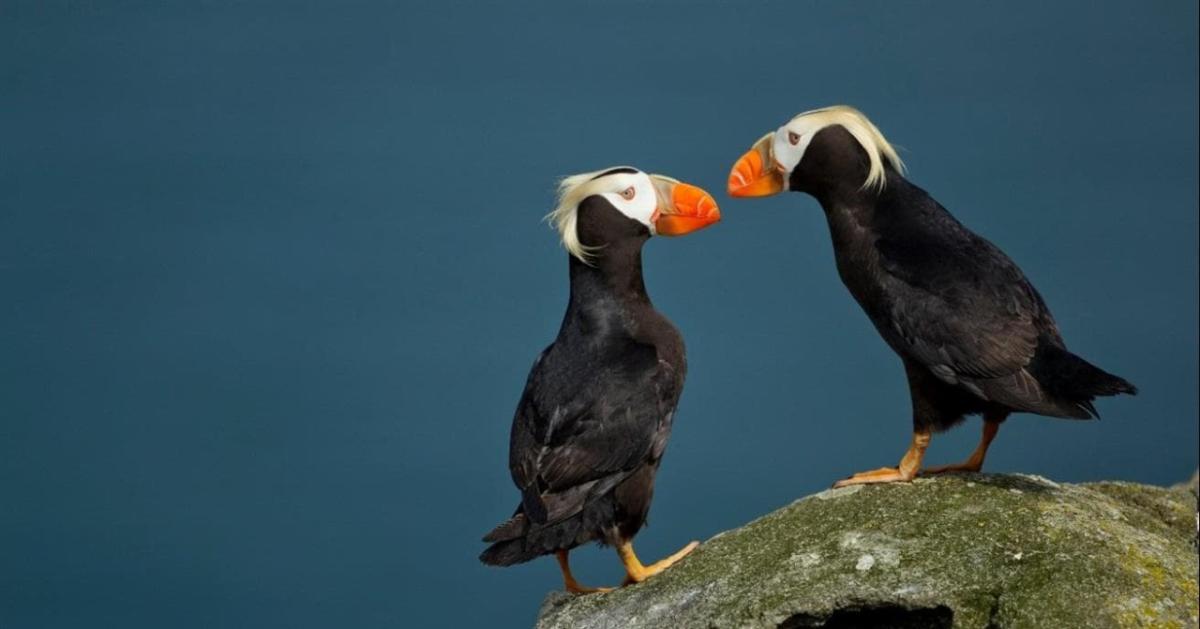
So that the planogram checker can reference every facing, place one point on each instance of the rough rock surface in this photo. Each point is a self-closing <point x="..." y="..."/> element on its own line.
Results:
<point x="973" y="550"/>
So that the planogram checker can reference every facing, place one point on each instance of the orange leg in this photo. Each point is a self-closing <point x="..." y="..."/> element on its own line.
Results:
<point x="975" y="462"/>
<point x="906" y="471"/>
<point x="569" y="581"/>
<point x="635" y="572"/>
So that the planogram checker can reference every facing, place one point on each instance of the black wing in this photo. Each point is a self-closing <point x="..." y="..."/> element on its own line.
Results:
<point x="568" y="447"/>
<point x="956" y="303"/>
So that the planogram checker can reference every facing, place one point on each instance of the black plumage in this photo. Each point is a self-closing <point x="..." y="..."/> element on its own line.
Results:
<point x="950" y="303"/>
<point x="974" y="335"/>
<point x="594" y="418"/>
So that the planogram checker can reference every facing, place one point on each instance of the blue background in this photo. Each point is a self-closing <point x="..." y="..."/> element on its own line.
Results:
<point x="273" y="275"/>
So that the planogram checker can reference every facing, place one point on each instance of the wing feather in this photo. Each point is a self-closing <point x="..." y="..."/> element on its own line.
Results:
<point x="565" y="453"/>
<point x="958" y="304"/>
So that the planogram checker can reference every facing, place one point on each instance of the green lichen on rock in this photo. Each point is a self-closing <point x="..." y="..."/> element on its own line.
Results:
<point x="975" y="550"/>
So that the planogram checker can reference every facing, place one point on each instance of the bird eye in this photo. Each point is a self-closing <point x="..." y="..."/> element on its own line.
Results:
<point x="628" y="193"/>
<point x="793" y="138"/>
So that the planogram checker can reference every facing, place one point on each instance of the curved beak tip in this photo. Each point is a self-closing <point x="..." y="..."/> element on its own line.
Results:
<point x="692" y="209"/>
<point x="735" y="186"/>
<point x="750" y="177"/>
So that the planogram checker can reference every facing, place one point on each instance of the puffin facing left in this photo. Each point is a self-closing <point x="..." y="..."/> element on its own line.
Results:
<point x="592" y="424"/>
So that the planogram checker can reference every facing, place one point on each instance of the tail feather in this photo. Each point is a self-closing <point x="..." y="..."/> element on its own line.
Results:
<point x="506" y="553"/>
<point x="520" y="538"/>
<point x="1072" y="379"/>
<point x="511" y="528"/>
<point x="1088" y="407"/>
<point x="517" y="542"/>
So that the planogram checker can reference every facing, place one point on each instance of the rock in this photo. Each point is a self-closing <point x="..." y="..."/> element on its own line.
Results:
<point x="973" y="550"/>
<point x="1192" y="485"/>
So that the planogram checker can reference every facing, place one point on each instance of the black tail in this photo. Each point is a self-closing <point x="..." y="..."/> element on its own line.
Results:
<point x="1070" y="378"/>
<point x="506" y="553"/>
<point x="517" y="540"/>
<point x="509" y="546"/>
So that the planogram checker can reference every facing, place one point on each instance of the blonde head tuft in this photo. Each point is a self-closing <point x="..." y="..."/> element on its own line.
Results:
<point x="868" y="135"/>
<point x="572" y="190"/>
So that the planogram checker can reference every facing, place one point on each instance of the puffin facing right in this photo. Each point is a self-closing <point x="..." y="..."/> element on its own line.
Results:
<point x="974" y="335"/>
<point x="593" y="422"/>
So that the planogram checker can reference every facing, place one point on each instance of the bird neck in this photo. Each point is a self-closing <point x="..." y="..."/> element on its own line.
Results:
<point x="844" y="192"/>
<point x="851" y="209"/>
<point x="613" y="271"/>
<point x="608" y="288"/>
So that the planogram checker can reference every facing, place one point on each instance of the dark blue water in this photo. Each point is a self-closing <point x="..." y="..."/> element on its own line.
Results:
<point x="273" y="275"/>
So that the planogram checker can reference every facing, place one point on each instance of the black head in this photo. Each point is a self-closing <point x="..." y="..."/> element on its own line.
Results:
<point x="601" y="210"/>
<point x="815" y="152"/>
<point x="600" y="224"/>
<point x="833" y="159"/>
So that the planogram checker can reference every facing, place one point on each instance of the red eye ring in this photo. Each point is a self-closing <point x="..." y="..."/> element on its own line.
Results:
<point x="629" y="193"/>
<point x="793" y="138"/>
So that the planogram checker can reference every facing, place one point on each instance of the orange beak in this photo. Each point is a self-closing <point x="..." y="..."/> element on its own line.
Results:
<point x="755" y="175"/>
<point x="682" y="208"/>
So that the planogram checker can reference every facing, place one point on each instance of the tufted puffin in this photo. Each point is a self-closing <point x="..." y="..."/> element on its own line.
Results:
<point x="974" y="335"/>
<point x="594" y="418"/>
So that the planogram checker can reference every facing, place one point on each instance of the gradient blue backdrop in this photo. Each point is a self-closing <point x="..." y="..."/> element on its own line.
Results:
<point x="273" y="275"/>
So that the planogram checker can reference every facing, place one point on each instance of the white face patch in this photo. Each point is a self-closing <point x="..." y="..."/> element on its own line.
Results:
<point x="633" y="194"/>
<point x="787" y="154"/>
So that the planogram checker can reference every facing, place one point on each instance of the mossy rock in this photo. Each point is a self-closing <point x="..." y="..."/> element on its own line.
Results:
<point x="973" y="550"/>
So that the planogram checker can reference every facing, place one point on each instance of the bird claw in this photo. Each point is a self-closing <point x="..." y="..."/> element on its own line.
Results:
<point x="881" y="475"/>
<point x="645" y="572"/>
